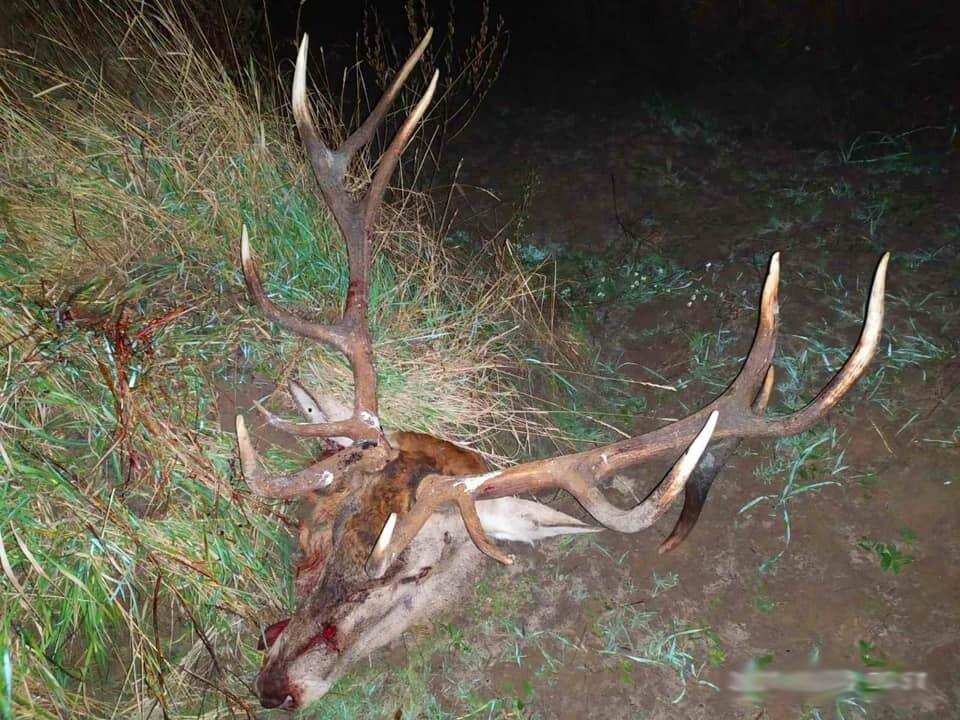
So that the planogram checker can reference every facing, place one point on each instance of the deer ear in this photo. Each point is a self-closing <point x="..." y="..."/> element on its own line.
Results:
<point x="517" y="520"/>
<point x="320" y="409"/>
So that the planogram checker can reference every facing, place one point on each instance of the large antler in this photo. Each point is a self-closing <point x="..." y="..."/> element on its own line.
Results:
<point x="738" y="413"/>
<point x="350" y="334"/>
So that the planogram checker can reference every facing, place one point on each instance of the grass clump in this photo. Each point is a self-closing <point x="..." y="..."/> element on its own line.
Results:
<point x="135" y="564"/>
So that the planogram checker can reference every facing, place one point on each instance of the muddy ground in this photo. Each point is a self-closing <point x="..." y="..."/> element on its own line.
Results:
<point x="868" y="578"/>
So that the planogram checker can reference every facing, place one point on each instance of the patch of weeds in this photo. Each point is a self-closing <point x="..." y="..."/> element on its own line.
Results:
<point x="867" y="479"/>
<point x="809" y="201"/>
<point x="890" y="557"/>
<point x="916" y="259"/>
<point x="887" y="153"/>
<point x="908" y="535"/>
<point x="716" y="653"/>
<point x="502" y="629"/>
<point x="903" y="346"/>
<point x="355" y="696"/>
<point x="907" y="349"/>
<point x="580" y="427"/>
<point x="709" y="361"/>
<point x="629" y="635"/>
<point x="764" y="603"/>
<point x="663" y="582"/>
<point x="871" y="213"/>
<point x="455" y="638"/>
<point x="802" y="458"/>
<point x="841" y="189"/>
<point x="515" y="706"/>
<point x="499" y="601"/>
<point x="777" y="226"/>
<point x="870" y="656"/>
<point x="588" y="278"/>
<point x="845" y="708"/>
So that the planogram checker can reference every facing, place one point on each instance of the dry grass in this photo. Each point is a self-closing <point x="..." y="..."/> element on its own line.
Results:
<point x="135" y="564"/>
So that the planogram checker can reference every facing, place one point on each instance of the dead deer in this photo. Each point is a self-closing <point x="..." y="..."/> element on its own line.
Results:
<point x="401" y="520"/>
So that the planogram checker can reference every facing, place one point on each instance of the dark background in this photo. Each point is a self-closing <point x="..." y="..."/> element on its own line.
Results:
<point x="881" y="62"/>
<point x="802" y="67"/>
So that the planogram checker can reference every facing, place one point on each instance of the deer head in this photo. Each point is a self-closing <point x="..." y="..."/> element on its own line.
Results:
<point x="399" y="521"/>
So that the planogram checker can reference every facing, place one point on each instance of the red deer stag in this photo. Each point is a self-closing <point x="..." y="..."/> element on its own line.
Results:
<point x="400" y="520"/>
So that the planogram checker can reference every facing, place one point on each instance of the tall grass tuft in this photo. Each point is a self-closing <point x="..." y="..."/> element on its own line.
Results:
<point x="135" y="565"/>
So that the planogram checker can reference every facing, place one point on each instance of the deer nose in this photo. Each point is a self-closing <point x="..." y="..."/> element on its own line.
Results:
<point x="274" y="692"/>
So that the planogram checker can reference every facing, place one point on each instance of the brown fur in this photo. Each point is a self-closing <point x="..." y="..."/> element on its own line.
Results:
<point x="418" y="455"/>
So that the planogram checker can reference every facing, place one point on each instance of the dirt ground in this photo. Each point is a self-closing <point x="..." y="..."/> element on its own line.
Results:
<point x="700" y="185"/>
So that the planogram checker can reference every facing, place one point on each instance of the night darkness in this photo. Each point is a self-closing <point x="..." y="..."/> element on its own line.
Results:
<point x="572" y="250"/>
<point x="896" y="58"/>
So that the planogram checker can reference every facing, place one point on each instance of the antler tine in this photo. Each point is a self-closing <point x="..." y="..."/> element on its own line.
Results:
<point x="754" y="370"/>
<point x="364" y="134"/>
<point x="390" y="158"/>
<point x="852" y="370"/>
<point x="279" y="486"/>
<point x="329" y="334"/>
<point x="584" y="488"/>
<point x="315" y="477"/>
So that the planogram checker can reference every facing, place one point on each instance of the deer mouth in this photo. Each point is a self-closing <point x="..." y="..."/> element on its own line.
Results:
<point x="288" y="703"/>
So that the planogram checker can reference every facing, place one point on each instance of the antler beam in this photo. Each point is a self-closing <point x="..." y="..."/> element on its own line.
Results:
<point x="738" y="413"/>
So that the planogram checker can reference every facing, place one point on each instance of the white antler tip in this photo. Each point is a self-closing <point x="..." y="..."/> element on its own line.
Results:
<point x="244" y="245"/>
<point x="699" y="444"/>
<point x="711" y="424"/>
<point x="774" y="271"/>
<point x="874" y="322"/>
<point x="369" y="419"/>
<point x="386" y="535"/>
<point x="299" y="99"/>
<point x="882" y="266"/>
<point x="248" y="456"/>
<point x="474" y="482"/>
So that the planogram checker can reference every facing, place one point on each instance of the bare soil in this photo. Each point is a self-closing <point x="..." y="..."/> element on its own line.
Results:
<point x="707" y="190"/>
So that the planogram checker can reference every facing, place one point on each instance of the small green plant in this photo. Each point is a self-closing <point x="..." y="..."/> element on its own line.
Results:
<point x="764" y="603"/>
<point x="869" y="655"/>
<point x="801" y="457"/>
<point x="663" y="582"/>
<point x="456" y="638"/>
<point x="891" y="558"/>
